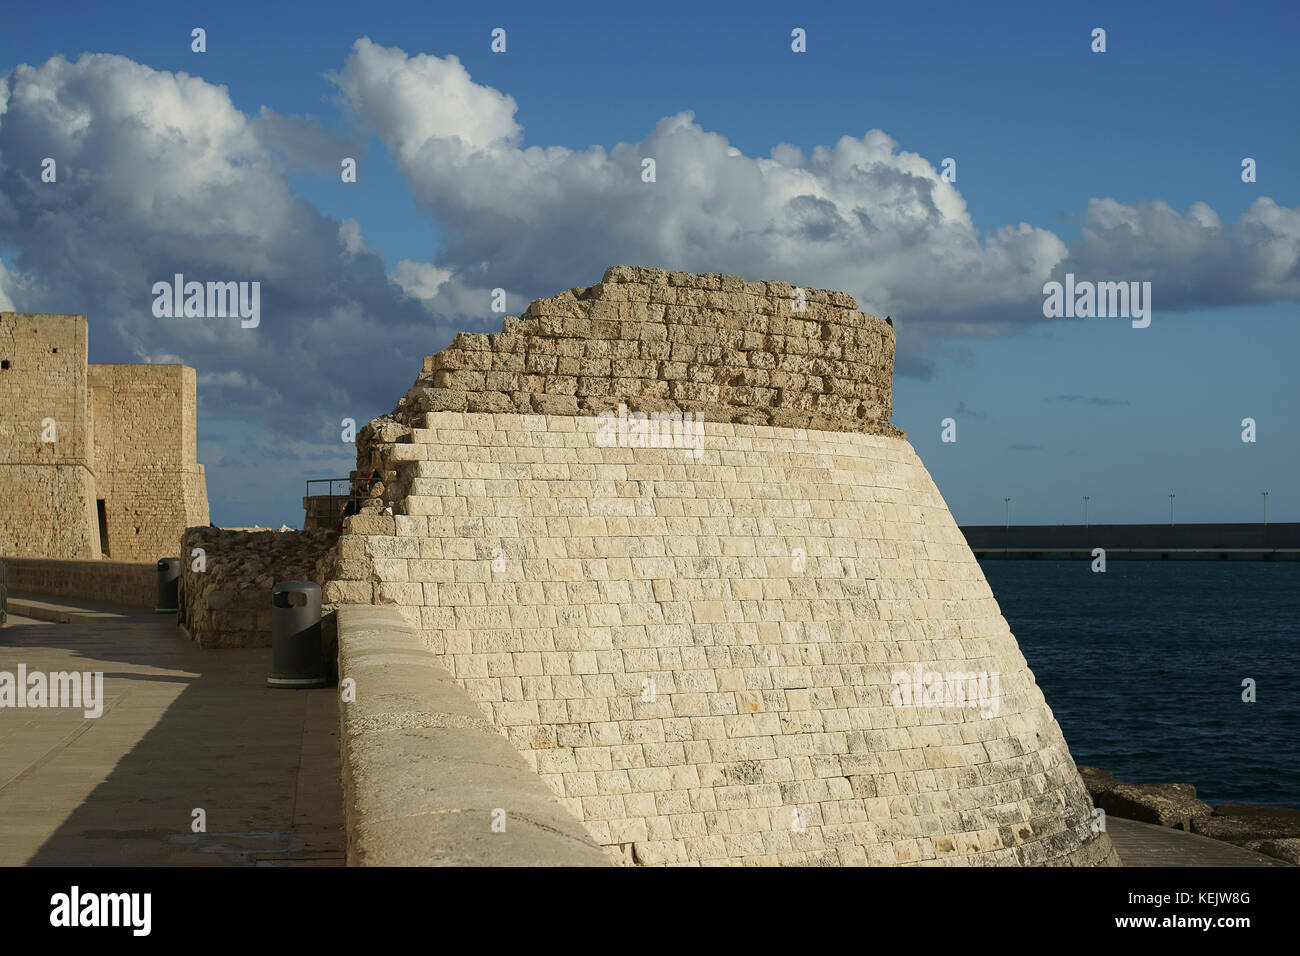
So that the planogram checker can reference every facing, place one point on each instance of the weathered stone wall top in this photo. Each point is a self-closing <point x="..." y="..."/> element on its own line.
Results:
<point x="727" y="350"/>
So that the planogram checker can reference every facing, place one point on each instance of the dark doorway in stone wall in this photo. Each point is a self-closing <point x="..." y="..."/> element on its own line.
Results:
<point x="103" y="527"/>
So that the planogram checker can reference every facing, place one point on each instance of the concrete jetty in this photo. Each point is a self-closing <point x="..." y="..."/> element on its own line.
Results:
<point x="1160" y="542"/>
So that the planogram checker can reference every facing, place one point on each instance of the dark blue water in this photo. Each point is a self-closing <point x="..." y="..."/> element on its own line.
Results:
<point x="1143" y="665"/>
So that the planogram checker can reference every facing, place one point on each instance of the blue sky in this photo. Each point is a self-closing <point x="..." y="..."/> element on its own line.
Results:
<point x="1041" y="129"/>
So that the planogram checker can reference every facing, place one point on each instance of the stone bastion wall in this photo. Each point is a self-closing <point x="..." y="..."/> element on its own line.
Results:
<point x="758" y="639"/>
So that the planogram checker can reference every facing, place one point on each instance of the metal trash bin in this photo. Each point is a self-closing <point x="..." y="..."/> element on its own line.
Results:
<point x="169" y="579"/>
<point x="295" y="636"/>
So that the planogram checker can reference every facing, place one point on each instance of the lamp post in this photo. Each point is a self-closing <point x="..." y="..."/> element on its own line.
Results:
<point x="1171" y="509"/>
<point x="1085" y="510"/>
<point x="1007" y="501"/>
<point x="1265" y="496"/>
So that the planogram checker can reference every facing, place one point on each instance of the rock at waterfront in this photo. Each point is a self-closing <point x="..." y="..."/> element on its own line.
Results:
<point x="1286" y="850"/>
<point x="1244" y="822"/>
<point x="1164" y="804"/>
<point x="1097" y="781"/>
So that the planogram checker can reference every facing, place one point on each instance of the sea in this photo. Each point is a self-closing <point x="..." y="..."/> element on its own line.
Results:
<point x="1144" y="664"/>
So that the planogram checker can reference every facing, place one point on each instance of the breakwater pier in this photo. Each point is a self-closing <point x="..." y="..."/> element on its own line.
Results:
<point x="1160" y="542"/>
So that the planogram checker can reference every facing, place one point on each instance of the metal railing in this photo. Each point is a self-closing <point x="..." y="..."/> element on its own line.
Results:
<point x="4" y="593"/>
<point x="335" y="499"/>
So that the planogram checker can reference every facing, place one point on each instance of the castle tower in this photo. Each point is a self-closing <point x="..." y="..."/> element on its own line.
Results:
<point x="47" y="482"/>
<point x="662" y="531"/>
<point x="94" y="459"/>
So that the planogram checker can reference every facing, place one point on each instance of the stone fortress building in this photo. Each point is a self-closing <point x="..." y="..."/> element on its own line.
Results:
<point x="663" y="533"/>
<point x="95" y="460"/>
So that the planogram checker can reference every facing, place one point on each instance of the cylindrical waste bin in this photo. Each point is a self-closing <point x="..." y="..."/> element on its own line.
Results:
<point x="169" y="579"/>
<point x="295" y="636"/>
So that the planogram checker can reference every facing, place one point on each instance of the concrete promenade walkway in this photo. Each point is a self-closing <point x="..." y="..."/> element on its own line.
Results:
<point x="1145" y="844"/>
<point x="182" y="729"/>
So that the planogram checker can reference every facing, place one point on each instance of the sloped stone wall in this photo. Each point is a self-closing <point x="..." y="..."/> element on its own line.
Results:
<point x="700" y="653"/>
<point x="752" y="634"/>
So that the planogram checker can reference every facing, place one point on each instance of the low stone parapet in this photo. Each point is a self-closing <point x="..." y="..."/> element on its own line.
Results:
<point x="129" y="583"/>
<point x="427" y="779"/>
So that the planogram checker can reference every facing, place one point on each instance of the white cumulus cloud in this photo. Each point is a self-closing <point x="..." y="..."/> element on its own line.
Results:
<point x="861" y="215"/>
<point x="158" y="174"/>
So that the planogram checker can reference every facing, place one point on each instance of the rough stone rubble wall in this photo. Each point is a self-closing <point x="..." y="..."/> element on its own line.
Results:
<point x="146" y="467"/>
<point x="228" y="602"/>
<point x="47" y="496"/>
<point x="719" y="346"/>
<point x="770" y="589"/>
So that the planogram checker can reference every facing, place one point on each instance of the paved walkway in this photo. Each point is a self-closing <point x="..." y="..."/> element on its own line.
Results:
<point x="1145" y="844"/>
<point x="182" y="729"/>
